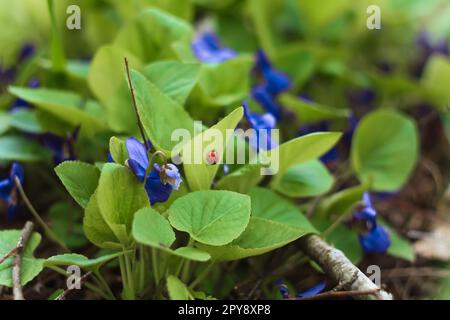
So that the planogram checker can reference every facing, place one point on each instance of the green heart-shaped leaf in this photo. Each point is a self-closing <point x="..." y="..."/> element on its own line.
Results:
<point x="305" y="180"/>
<point x="211" y="217"/>
<point x="302" y="149"/>
<point x="275" y="222"/>
<point x="173" y="78"/>
<point x="80" y="260"/>
<point x="79" y="178"/>
<point x="30" y="266"/>
<point x="384" y="149"/>
<point x="160" y="115"/>
<point x="119" y="196"/>
<point x="152" y="229"/>
<point x="16" y="148"/>
<point x="67" y="106"/>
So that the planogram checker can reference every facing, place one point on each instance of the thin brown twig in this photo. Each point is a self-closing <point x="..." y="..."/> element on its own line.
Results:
<point x="23" y="239"/>
<point x="68" y="290"/>
<point x="8" y="254"/>
<point x="338" y="294"/>
<point x="49" y="233"/>
<point x="133" y="98"/>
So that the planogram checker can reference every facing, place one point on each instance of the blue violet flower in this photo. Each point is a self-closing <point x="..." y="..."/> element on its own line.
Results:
<point x="63" y="148"/>
<point x="263" y="124"/>
<point x="8" y="189"/>
<point x="160" y="181"/>
<point x="273" y="83"/>
<point x="207" y="48"/>
<point x="375" y="239"/>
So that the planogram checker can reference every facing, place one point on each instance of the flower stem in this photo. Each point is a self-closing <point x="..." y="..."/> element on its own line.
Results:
<point x="150" y="162"/>
<point x="104" y="284"/>
<point x="126" y="294"/>
<point x="338" y="221"/>
<point x="201" y="276"/>
<point x="57" y="51"/>
<point x="87" y="284"/>
<point x="130" y="275"/>
<point x="155" y="266"/>
<point x="142" y="267"/>
<point x="50" y="234"/>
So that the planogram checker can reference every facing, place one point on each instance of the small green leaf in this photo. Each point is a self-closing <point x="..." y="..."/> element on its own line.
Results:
<point x="5" y="122"/>
<point x="108" y="82"/>
<point x="211" y="217"/>
<point x="30" y="267"/>
<point x="177" y="289"/>
<point x="80" y="260"/>
<point x="436" y="79"/>
<point x="385" y="149"/>
<point x="400" y="247"/>
<point x="201" y="175"/>
<point x="192" y="254"/>
<point x="26" y="120"/>
<point x="118" y="150"/>
<point x="302" y="149"/>
<point x="260" y="236"/>
<point x="173" y="78"/>
<point x="15" y="148"/>
<point x="78" y="69"/>
<point x="152" y="229"/>
<point x="66" y="106"/>
<point x="275" y="222"/>
<point x="66" y="222"/>
<point x="340" y="202"/>
<point x="119" y="196"/>
<point x="268" y="205"/>
<point x="311" y="111"/>
<point x="79" y="178"/>
<point x="241" y="180"/>
<point x="96" y="228"/>
<point x="200" y="295"/>
<point x="305" y="180"/>
<point x="160" y="115"/>
<point x="151" y="35"/>
<point x="226" y="83"/>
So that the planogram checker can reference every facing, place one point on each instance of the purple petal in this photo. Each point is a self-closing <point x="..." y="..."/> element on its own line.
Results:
<point x="137" y="169"/>
<point x="375" y="241"/>
<point x="156" y="190"/>
<point x="17" y="171"/>
<point x="276" y="81"/>
<point x="207" y="48"/>
<point x="366" y="199"/>
<point x="314" y="290"/>
<point x="172" y="172"/>
<point x="137" y="152"/>
<point x="267" y="101"/>
<point x="6" y="187"/>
